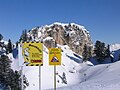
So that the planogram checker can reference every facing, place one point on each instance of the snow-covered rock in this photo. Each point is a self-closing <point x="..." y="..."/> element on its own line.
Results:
<point x="114" y="47"/>
<point x="71" y="34"/>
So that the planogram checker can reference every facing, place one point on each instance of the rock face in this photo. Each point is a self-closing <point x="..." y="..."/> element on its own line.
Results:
<point x="73" y="35"/>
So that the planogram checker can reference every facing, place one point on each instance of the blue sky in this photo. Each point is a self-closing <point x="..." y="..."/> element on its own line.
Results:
<point x="100" y="17"/>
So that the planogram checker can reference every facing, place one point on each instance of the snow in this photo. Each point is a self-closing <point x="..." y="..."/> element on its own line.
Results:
<point x="68" y="66"/>
<point x="99" y="77"/>
<point x="14" y="64"/>
<point x="76" y="43"/>
<point x="47" y="39"/>
<point x="81" y="27"/>
<point x="80" y="76"/>
<point x="71" y="33"/>
<point x="114" y="47"/>
<point x="39" y="34"/>
<point x="5" y="42"/>
<point x="89" y="63"/>
<point x="64" y="24"/>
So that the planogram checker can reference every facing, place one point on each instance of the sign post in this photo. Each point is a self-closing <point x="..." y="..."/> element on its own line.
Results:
<point x="22" y="77"/>
<point x="54" y="59"/>
<point x="32" y="53"/>
<point x="21" y="62"/>
<point x="54" y="77"/>
<point x="39" y="77"/>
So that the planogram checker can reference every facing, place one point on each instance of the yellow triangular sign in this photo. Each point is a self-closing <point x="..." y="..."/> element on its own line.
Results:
<point x="54" y="59"/>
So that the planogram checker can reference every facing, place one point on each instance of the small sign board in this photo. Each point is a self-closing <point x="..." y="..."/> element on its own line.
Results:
<point x="32" y="53"/>
<point x="54" y="56"/>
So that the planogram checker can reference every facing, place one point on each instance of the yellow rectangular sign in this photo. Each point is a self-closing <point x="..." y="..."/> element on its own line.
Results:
<point x="54" y="56"/>
<point x="33" y="53"/>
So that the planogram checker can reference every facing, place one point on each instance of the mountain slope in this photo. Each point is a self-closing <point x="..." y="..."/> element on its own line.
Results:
<point x="99" y="77"/>
<point x="80" y="76"/>
<point x="70" y="66"/>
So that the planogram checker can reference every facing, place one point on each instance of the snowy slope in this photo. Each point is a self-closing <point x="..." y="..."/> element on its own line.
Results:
<point x="99" y="77"/>
<point x="70" y="66"/>
<point x="80" y="76"/>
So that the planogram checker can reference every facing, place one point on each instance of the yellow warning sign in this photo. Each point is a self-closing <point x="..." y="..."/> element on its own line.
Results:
<point x="54" y="56"/>
<point x="32" y="53"/>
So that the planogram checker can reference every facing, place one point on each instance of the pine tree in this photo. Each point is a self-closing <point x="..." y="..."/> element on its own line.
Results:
<point x="4" y="64"/>
<point x="119" y="57"/>
<point x="1" y="37"/>
<point x="17" y="44"/>
<point x="108" y="51"/>
<point x="14" y="80"/>
<point x="100" y="50"/>
<point x="90" y="51"/>
<point x="23" y="37"/>
<point x="86" y="53"/>
<point x="4" y="69"/>
<point x="11" y="79"/>
<point x="64" y="78"/>
<point x="9" y="46"/>
<point x="35" y="32"/>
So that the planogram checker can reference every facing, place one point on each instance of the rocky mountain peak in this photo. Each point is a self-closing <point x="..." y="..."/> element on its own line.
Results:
<point x="71" y="34"/>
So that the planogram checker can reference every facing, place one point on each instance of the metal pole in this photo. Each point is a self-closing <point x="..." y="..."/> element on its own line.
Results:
<point x="39" y="77"/>
<point x="22" y="76"/>
<point x="54" y="77"/>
